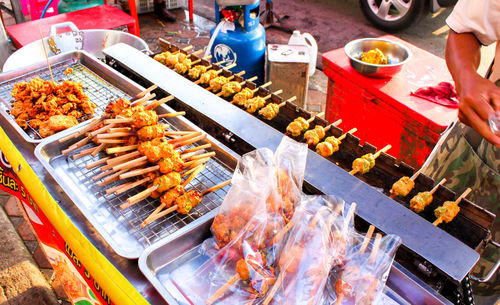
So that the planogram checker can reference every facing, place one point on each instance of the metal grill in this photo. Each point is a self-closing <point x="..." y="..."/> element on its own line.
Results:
<point x="214" y="173"/>
<point x="98" y="90"/>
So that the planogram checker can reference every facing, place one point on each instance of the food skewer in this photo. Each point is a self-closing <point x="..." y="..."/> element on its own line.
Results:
<point x="332" y="144"/>
<point x="143" y="93"/>
<point x="313" y="136"/>
<point x="82" y="131"/>
<point x="299" y="125"/>
<point x="206" y="77"/>
<point x="255" y="103"/>
<point x="186" y="64"/>
<point x="366" y="162"/>
<point x="271" y="110"/>
<point x="404" y="185"/>
<point x="143" y="100"/>
<point x="46" y="57"/>
<point x="423" y="199"/>
<point x="344" y="288"/>
<point x="216" y="83"/>
<point x="233" y="87"/>
<point x="449" y="210"/>
<point x="192" y="197"/>
<point x="196" y="71"/>
<point x="246" y="93"/>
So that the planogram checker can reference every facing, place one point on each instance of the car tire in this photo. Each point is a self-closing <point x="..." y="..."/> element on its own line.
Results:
<point x="392" y="15"/>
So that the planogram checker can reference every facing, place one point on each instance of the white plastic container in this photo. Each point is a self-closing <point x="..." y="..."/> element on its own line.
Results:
<point x="306" y="39"/>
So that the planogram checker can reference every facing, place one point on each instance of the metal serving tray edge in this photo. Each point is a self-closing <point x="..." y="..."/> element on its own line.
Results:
<point x="78" y="56"/>
<point x="179" y="253"/>
<point x="125" y="245"/>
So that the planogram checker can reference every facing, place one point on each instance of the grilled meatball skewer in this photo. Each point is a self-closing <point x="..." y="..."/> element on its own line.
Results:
<point x="331" y="144"/>
<point x="423" y="199"/>
<point x="253" y="104"/>
<point x="313" y="136"/>
<point x="206" y="77"/>
<point x="271" y="110"/>
<point x="366" y="162"/>
<point x="299" y="125"/>
<point x="449" y="209"/>
<point x="246" y="93"/>
<point x="216" y="83"/>
<point x="404" y="185"/>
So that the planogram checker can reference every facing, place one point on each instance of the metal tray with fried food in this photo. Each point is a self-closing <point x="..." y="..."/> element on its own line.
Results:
<point x="100" y="83"/>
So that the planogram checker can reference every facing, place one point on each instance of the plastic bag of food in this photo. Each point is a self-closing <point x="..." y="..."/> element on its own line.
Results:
<point x="278" y="176"/>
<point x="317" y="242"/>
<point x="362" y="278"/>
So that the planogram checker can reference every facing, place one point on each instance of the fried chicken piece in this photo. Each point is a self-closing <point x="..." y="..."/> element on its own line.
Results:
<point x="374" y="57"/>
<point x="61" y="122"/>
<point x="402" y="187"/>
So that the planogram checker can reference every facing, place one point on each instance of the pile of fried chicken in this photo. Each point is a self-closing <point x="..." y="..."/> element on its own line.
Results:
<point x="49" y="107"/>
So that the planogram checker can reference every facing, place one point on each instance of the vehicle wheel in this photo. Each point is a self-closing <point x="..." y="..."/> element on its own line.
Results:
<point x="392" y="15"/>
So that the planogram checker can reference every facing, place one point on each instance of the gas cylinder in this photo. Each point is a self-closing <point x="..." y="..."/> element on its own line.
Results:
<point x="242" y="39"/>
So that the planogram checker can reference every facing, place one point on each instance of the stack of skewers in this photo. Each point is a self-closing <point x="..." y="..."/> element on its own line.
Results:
<point x="138" y="146"/>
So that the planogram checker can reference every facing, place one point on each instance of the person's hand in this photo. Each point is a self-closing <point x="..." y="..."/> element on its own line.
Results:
<point x="479" y="98"/>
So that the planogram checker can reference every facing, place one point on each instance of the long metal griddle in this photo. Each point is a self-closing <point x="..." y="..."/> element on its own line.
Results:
<point x="451" y="256"/>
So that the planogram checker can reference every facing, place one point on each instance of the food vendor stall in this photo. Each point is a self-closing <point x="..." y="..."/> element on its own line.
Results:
<point x="99" y="234"/>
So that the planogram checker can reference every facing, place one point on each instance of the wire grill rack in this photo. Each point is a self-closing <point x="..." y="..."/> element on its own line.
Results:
<point x="98" y="90"/>
<point x="214" y="173"/>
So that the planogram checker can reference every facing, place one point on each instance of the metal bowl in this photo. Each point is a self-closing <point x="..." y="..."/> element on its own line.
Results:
<point x="397" y="55"/>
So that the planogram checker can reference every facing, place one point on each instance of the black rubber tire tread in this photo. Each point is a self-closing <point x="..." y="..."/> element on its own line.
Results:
<point x="414" y="14"/>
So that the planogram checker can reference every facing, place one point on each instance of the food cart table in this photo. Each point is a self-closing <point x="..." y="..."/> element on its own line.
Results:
<point x="383" y="109"/>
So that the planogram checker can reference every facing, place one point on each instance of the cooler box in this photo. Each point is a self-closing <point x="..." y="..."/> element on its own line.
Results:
<point x="383" y="109"/>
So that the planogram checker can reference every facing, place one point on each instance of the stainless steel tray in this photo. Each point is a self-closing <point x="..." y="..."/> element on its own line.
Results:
<point x="176" y="257"/>
<point x="100" y="82"/>
<point x="121" y="228"/>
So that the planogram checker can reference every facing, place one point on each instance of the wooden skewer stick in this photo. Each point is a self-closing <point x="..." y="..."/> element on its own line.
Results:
<point x="96" y="163"/>
<point x="155" y="104"/>
<point x="263" y="86"/>
<point x="196" y="148"/>
<point x="82" y="131"/>
<point x="350" y="215"/>
<point x="383" y="150"/>
<point x="434" y="189"/>
<point x="46" y="56"/>
<point x="75" y="146"/>
<point x="314" y="116"/>
<point x="190" y="141"/>
<point x="224" y="288"/>
<point x="83" y="153"/>
<point x="177" y="133"/>
<point x="277" y="92"/>
<point x="114" y="150"/>
<point x="412" y="178"/>
<point x="138" y="197"/>
<point x="115" y="135"/>
<point x="172" y="114"/>
<point x="293" y="98"/>
<point x="112" y="141"/>
<point x="119" y="159"/>
<point x="345" y="134"/>
<point x="201" y="156"/>
<point x="120" y="129"/>
<point x="101" y="130"/>
<point x="143" y="93"/>
<point x="216" y="187"/>
<point x="367" y="238"/>
<point x="336" y="123"/>
<point x="464" y="194"/>
<point x="131" y="186"/>
<point x="376" y="247"/>
<point x="195" y="52"/>
<point x="143" y="100"/>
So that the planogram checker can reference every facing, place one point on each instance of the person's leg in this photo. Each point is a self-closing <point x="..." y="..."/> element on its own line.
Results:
<point x="160" y="8"/>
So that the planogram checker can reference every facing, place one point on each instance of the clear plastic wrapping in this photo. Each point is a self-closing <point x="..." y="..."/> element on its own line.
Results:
<point x="362" y="278"/>
<point x="317" y="242"/>
<point x="277" y="178"/>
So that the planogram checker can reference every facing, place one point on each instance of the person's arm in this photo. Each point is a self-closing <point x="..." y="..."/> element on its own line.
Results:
<point x="478" y="96"/>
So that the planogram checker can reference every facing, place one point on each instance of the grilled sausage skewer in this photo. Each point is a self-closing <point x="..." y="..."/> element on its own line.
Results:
<point x="423" y="199"/>
<point x="449" y="209"/>
<point x="366" y="162"/>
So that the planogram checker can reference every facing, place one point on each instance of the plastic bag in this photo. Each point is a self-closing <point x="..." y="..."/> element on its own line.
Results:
<point x="260" y="173"/>
<point x="362" y="278"/>
<point x="317" y="242"/>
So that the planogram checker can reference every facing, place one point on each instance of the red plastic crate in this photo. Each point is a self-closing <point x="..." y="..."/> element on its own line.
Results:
<point x="383" y="110"/>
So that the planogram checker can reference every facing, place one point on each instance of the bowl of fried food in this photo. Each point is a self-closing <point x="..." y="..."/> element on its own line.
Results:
<point x="377" y="58"/>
